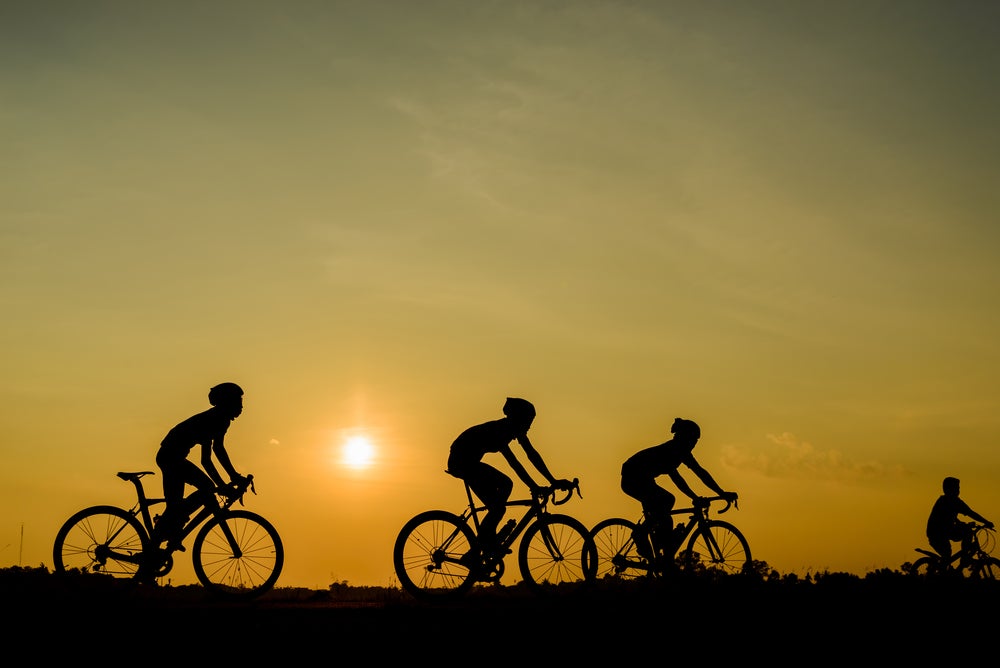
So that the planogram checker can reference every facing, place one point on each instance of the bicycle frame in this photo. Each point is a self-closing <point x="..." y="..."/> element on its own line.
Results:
<point x="974" y="552"/>
<point x="693" y="544"/>
<point x="144" y="503"/>
<point x="537" y="506"/>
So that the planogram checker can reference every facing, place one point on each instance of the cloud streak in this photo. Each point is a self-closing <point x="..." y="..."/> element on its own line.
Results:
<point x="789" y="457"/>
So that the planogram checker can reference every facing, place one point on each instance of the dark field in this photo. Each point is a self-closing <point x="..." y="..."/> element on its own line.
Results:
<point x="884" y="616"/>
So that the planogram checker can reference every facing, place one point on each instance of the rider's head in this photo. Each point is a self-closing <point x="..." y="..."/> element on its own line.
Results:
<point x="950" y="486"/>
<point x="228" y="397"/>
<point x="686" y="430"/>
<point x="520" y="411"/>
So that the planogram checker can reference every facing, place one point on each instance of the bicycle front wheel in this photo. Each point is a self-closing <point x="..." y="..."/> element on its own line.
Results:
<point x="556" y="550"/>
<point x="100" y="539"/>
<point x="617" y="556"/>
<point x="716" y="546"/>
<point x="427" y="556"/>
<point x="244" y="568"/>
<point x="986" y="569"/>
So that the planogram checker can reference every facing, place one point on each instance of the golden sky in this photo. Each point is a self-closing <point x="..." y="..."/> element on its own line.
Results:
<point x="382" y="218"/>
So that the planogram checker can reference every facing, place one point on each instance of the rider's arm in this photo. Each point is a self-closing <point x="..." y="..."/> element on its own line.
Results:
<point x="704" y="476"/>
<point x="682" y="484"/>
<point x="969" y="512"/>
<point x="209" y="465"/>
<point x="535" y="458"/>
<point x="519" y="469"/>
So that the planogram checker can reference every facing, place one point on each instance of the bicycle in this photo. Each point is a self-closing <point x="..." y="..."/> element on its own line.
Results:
<point x="236" y="553"/>
<point x="712" y="545"/>
<point x="973" y="560"/>
<point x="555" y="549"/>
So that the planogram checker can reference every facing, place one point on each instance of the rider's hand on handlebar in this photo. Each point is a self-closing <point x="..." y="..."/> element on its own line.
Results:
<point x="731" y="497"/>
<point x="563" y="484"/>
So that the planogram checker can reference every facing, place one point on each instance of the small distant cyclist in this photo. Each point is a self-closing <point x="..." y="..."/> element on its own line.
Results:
<point x="943" y="524"/>
<point x="207" y="429"/>
<point x="639" y="474"/>
<point x="493" y="487"/>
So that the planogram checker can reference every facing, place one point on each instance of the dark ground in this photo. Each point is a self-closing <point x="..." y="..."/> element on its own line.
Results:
<point x="836" y="617"/>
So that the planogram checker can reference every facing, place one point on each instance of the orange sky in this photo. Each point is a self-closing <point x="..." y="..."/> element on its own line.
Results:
<point x="775" y="218"/>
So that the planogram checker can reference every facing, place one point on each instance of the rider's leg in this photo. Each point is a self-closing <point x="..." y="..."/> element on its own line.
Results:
<point x="173" y="471"/>
<point x="644" y="489"/>
<point x="494" y="488"/>
<point x="658" y="508"/>
<point x="942" y="545"/>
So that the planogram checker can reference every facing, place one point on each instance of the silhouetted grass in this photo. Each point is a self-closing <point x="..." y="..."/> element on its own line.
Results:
<point x="884" y="615"/>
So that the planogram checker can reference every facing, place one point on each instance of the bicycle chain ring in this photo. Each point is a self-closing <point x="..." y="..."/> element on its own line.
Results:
<point x="492" y="571"/>
<point x="166" y="564"/>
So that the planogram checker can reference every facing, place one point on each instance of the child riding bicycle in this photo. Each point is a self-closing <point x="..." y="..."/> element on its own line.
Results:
<point x="943" y="525"/>
<point x="638" y="480"/>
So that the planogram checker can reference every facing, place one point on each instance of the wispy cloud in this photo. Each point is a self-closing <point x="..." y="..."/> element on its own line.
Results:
<point x="787" y="456"/>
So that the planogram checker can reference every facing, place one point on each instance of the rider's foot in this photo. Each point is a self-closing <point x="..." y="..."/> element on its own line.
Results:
<point x="176" y="546"/>
<point x="642" y="545"/>
<point x="664" y="565"/>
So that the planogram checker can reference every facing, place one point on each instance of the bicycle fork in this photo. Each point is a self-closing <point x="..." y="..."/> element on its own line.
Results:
<point x="231" y="537"/>
<point x="550" y="543"/>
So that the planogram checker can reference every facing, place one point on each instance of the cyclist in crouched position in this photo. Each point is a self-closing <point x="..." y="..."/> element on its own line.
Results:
<point x="207" y="429"/>
<point x="491" y="485"/>
<point x="638" y="480"/>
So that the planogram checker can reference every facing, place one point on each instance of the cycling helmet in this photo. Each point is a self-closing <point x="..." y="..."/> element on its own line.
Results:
<point x="518" y="409"/>
<point x="685" y="428"/>
<point x="225" y="394"/>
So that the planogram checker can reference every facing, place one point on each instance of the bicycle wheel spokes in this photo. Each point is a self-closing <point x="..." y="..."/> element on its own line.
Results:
<point x="617" y="556"/>
<point x="101" y="539"/>
<point x="987" y="568"/>
<point x="557" y="550"/>
<point x="716" y="546"/>
<point x="428" y="552"/>
<point x="246" y="568"/>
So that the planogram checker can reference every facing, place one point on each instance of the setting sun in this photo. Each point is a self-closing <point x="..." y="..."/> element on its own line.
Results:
<point x="358" y="452"/>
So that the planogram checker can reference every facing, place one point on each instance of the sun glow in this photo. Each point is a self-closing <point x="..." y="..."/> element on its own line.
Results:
<point x="358" y="452"/>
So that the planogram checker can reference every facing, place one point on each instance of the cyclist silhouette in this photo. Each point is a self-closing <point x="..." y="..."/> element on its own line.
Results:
<point x="943" y="525"/>
<point x="207" y="429"/>
<point x="639" y="474"/>
<point x="491" y="485"/>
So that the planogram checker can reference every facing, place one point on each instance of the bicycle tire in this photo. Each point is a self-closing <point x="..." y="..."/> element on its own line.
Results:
<point x="574" y="564"/>
<point x="252" y="573"/>
<point x="924" y="566"/>
<point x="734" y="550"/>
<point x="986" y="569"/>
<point x="617" y="556"/>
<point x="89" y="540"/>
<point x="426" y="556"/>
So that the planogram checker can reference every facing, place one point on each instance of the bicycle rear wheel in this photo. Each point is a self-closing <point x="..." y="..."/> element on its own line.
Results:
<point x="427" y="556"/>
<point x="617" y="556"/>
<point x="556" y="550"/>
<point x="716" y="546"/>
<point x="100" y="539"/>
<point x="246" y="570"/>
<point x="924" y="566"/>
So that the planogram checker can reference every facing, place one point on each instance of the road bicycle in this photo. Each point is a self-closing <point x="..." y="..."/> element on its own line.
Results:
<point x="555" y="553"/>
<point x="973" y="560"/>
<point x="712" y="545"/>
<point x="236" y="553"/>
